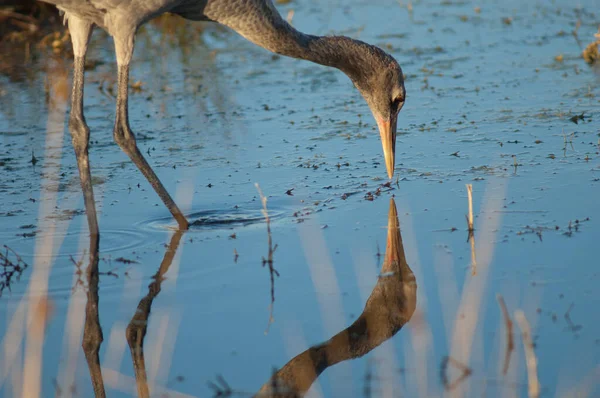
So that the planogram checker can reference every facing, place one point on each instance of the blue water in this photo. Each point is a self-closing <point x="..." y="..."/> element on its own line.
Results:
<point x="217" y="115"/>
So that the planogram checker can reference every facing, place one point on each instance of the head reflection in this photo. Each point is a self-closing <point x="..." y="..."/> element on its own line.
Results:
<point x="390" y="305"/>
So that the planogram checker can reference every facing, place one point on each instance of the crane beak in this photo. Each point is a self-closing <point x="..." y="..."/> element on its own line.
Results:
<point x="387" y="130"/>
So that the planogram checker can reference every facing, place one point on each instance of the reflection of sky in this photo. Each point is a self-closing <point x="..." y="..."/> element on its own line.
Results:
<point x="206" y="116"/>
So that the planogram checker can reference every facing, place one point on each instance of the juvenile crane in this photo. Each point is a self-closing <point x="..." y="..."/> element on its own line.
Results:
<point x="374" y="73"/>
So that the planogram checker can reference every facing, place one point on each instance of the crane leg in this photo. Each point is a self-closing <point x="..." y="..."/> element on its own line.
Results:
<point x="81" y="31"/>
<point x="123" y="135"/>
<point x="80" y="133"/>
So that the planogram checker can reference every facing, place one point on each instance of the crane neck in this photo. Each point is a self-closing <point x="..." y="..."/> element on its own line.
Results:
<point x="261" y="23"/>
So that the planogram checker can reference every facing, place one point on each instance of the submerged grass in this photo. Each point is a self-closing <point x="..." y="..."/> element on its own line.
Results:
<point x="271" y="251"/>
<point x="11" y="268"/>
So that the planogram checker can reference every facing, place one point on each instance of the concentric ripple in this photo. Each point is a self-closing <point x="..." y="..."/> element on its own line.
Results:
<point x="217" y="219"/>
<point x="70" y="242"/>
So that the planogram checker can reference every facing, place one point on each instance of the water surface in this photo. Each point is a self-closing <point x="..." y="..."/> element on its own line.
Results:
<point x="490" y="102"/>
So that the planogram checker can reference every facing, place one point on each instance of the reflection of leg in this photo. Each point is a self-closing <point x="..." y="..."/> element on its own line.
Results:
<point x="92" y="332"/>
<point x="123" y="134"/>
<point x="136" y="330"/>
<point x="80" y="133"/>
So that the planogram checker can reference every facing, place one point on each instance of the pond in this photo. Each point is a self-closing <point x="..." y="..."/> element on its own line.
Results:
<point x="358" y="286"/>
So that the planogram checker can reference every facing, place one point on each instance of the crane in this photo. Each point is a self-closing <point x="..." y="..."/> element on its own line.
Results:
<point x="375" y="73"/>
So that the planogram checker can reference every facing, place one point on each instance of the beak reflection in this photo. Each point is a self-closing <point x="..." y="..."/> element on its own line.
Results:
<point x="389" y="307"/>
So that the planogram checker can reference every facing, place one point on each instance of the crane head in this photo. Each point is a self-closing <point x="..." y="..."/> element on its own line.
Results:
<point x="382" y="87"/>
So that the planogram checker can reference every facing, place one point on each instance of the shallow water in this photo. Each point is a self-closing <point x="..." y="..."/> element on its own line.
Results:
<point x="488" y="104"/>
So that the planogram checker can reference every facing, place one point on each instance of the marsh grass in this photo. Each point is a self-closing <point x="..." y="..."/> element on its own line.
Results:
<point x="591" y="54"/>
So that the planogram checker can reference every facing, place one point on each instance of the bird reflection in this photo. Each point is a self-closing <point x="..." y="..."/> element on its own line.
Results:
<point x="136" y="330"/>
<point x="390" y="306"/>
<point x="92" y="332"/>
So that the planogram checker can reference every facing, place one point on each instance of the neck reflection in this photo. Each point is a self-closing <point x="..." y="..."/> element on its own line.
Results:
<point x="389" y="307"/>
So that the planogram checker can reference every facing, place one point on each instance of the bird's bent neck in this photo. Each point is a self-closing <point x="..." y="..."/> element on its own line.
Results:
<point x="259" y="22"/>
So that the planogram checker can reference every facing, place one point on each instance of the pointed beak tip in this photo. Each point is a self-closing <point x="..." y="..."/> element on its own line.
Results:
<point x="387" y="130"/>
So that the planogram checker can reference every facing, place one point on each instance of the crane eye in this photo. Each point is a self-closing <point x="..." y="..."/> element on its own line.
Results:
<point x="396" y="103"/>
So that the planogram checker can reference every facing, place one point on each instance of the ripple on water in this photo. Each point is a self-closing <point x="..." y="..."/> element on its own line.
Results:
<point x="71" y="242"/>
<point x="63" y="281"/>
<point x="70" y="255"/>
<point x="216" y="219"/>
